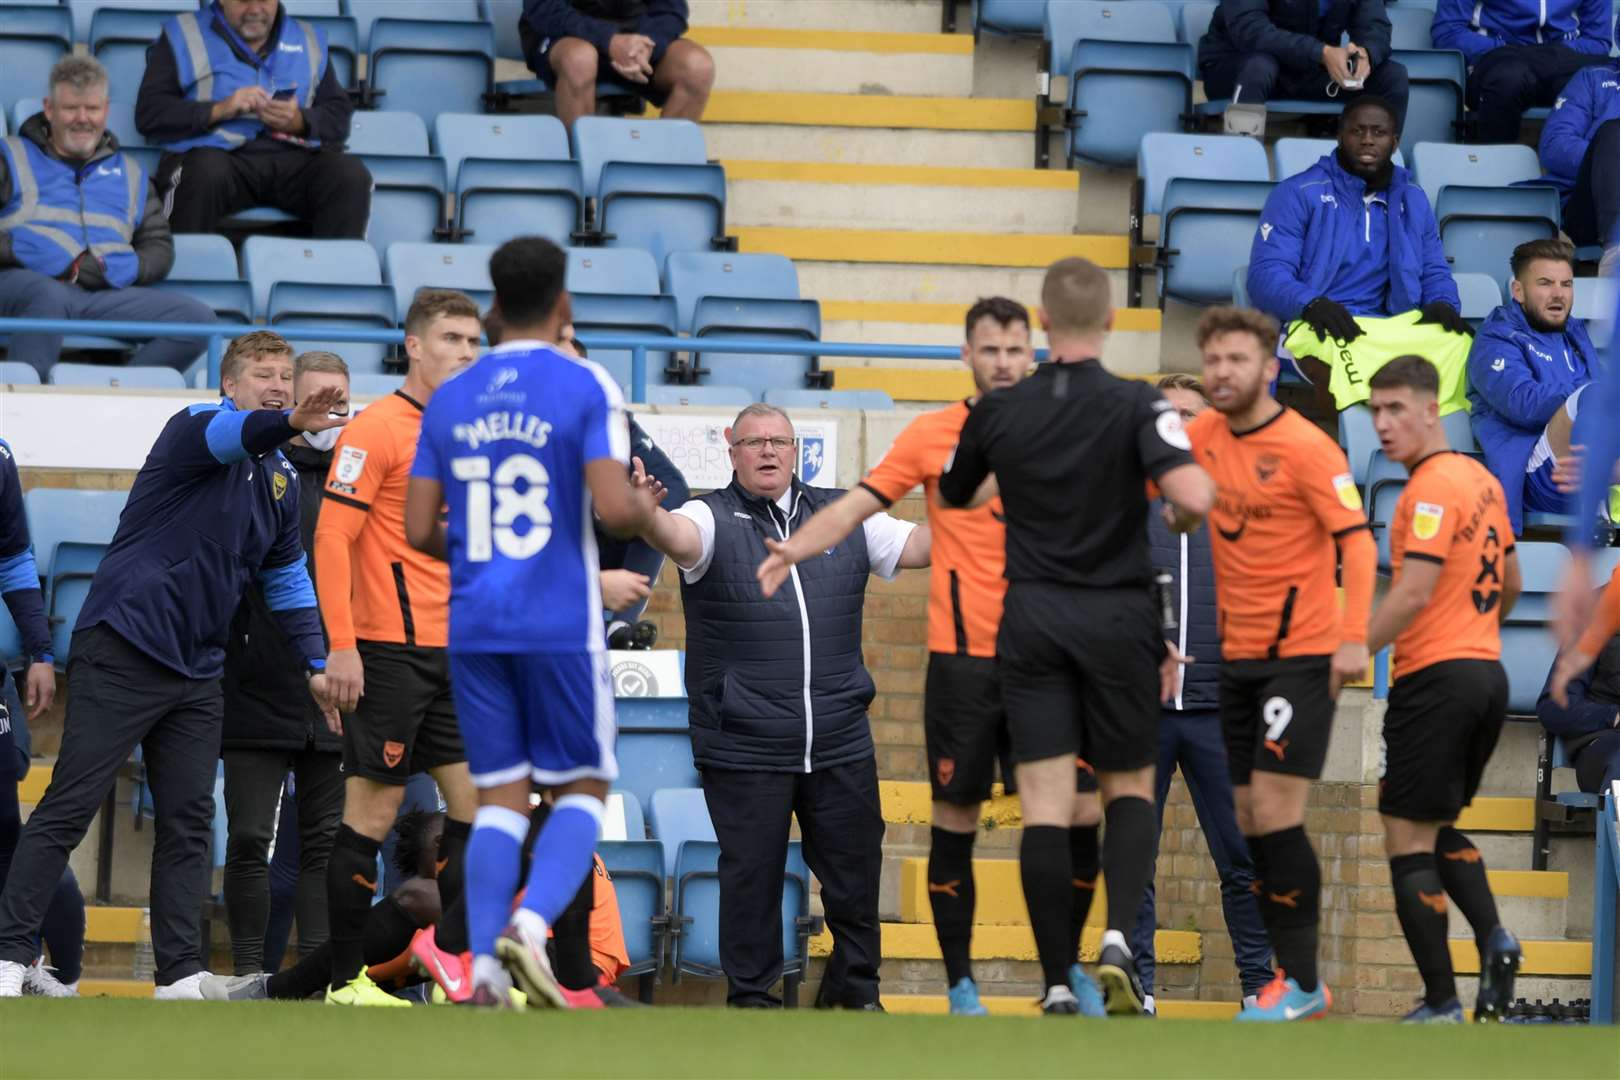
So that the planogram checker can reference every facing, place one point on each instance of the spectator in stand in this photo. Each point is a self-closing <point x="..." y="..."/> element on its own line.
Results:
<point x="1525" y="376"/>
<point x="1520" y="53"/>
<point x="1348" y="259"/>
<point x="271" y="725"/>
<point x="1257" y="50"/>
<point x="244" y="99"/>
<point x="78" y="242"/>
<point x="636" y="45"/>
<point x="1190" y="737"/>
<point x="1590" y="723"/>
<point x="1580" y="151"/>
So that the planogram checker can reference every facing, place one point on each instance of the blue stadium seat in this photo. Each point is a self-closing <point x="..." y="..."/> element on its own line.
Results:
<point x="367" y="13"/>
<point x="662" y="713"/>
<point x="1528" y="652"/>
<point x="342" y="44"/>
<point x="1208" y="191"/>
<point x="652" y="760"/>
<point x="119" y="38"/>
<point x="828" y="399"/>
<point x="438" y="266"/>
<point x="1386" y="480"/>
<point x="430" y="67"/>
<point x="457" y="136"/>
<point x="1292" y="156"/>
<point x="32" y="40"/>
<point x="598" y="140"/>
<point x="269" y="259"/>
<point x="623" y="808"/>
<point x="1359" y="440"/>
<point x="1459" y="432"/>
<point x="512" y="177"/>
<point x="375" y="385"/>
<point x="637" y="870"/>
<point x="392" y="132"/>
<point x="1192" y="21"/>
<point x="71" y="530"/>
<point x="125" y="377"/>
<point x="84" y="11"/>
<point x="676" y="815"/>
<point x="661" y="208"/>
<point x="1595" y="302"/>
<point x="205" y="269"/>
<point x="1483" y="204"/>
<point x="616" y="270"/>
<point x="708" y="396"/>
<point x="734" y="317"/>
<point x="407" y="200"/>
<point x="1480" y="295"/>
<point x="1409" y="26"/>
<point x="1114" y="52"/>
<point x="1542" y="565"/>
<point x="341" y="306"/>
<point x="635" y="316"/>
<point x="1009" y="18"/>
<point x="17" y="373"/>
<point x="691" y="276"/>
<point x="696" y="910"/>
<point x="1195" y="18"/>
<point x="1434" y="111"/>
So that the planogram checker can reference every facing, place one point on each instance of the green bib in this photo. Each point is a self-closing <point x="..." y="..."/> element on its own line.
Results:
<point x="1353" y="364"/>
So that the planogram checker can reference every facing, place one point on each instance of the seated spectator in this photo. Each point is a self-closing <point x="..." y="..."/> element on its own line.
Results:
<point x="1525" y="375"/>
<point x="636" y="45"/>
<point x="1348" y="259"/>
<point x="1520" y="53"/>
<point x="78" y="242"/>
<point x="1580" y="151"/>
<point x="1257" y="50"/>
<point x="1590" y="723"/>
<point x="244" y="99"/>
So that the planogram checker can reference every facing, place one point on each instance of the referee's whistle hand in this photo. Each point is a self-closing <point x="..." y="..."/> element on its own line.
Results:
<point x="774" y="570"/>
<point x="318" y="411"/>
<point x="345" y="679"/>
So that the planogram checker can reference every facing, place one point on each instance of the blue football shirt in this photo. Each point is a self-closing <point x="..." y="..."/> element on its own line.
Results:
<point x="509" y="439"/>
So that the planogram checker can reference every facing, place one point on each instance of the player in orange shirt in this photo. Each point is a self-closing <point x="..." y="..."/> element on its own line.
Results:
<point x="386" y="608"/>
<point x="963" y="724"/>
<point x="1287" y="512"/>
<point x="1456" y="577"/>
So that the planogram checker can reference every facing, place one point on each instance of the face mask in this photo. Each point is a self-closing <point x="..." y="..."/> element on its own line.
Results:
<point x="322" y="440"/>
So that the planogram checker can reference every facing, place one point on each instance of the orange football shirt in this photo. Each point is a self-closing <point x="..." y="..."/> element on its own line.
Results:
<point x="965" y="584"/>
<point x="1284" y="495"/>
<point x="1452" y="512"/>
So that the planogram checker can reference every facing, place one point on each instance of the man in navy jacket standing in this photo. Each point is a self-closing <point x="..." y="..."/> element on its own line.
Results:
<point x="1520" y="53"/>
<point x="214" y="507"/>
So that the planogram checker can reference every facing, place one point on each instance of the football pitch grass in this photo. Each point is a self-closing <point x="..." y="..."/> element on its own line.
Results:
<point x="102" y="1039"/>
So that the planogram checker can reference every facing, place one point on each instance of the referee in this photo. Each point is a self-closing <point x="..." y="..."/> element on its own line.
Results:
<point x="1081" y="652"/>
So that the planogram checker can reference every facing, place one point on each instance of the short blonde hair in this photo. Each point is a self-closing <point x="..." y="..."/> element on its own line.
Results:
<point x="328" y="363"/>
<point x="248" y="348"/>
<point x="1237" y="320"/>
<point x="1076" y="297"/>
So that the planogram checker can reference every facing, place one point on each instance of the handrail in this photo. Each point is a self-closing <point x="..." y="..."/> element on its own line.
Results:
<point x="639" y="346"/>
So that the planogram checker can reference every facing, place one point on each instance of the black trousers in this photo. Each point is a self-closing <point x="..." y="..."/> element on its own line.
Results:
<point x="1507" y="81"/>
<point x="253" y="783"/>
<point x="1258" y="78"/>
<point x="118" y="698"/>
<point x="1593" y="213"/>
<point x="841" y="823"/>
<point x="327" y="188"/>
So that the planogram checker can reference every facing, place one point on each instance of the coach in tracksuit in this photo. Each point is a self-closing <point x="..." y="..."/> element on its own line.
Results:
<point x="1520" y="53"/>
<point x="213" y="509"/>
<point x="1580" y="153"/>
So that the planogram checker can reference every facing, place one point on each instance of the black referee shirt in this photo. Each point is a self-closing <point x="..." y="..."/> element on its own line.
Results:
<point x="1072" y="447"/>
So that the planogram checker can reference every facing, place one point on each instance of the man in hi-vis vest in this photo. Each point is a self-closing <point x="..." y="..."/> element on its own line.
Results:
<point x="244" y="99"/>
<point x="81" y="228"/>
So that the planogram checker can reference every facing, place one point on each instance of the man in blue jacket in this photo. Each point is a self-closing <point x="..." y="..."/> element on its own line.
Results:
<point x="634" y="45"/>
<point x="1520" y="53"/>
<point x="1590" y="723"/>
<point x="1525" y="373"/>
<point x="214" y="508"/>
<point x="1580" y="152"/>
<point x="1256" y="50"/>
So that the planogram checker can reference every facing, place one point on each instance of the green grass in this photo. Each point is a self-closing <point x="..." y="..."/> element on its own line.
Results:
<point x="111" y="1038"/>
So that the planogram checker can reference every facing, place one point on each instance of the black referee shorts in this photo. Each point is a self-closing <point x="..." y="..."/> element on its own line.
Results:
<point x="1080" y="674"/>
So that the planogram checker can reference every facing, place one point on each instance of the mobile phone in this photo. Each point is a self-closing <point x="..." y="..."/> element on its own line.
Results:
<point x="1354" y="83"/>
<point x="287" y="93"/>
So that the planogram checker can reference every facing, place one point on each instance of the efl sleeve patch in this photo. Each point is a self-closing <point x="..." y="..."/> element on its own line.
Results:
<point x="1168" y="424"/>
<point x="351" y="463"/>
<point x="1344" y="485"/>
<point x="1426" y="518"/>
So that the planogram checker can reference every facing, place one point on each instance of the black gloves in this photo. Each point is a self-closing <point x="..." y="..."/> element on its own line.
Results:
<point x="1330" y="320"/>
<point x="1446" y="317"/>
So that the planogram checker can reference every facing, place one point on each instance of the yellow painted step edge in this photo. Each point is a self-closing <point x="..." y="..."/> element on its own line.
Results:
<point x="856" y="41"/>
<point x="1509" y="813"/>
<point x="828" y="172"/>
<point x="112" y="925"/>
<point x="870" y="111"/>
<point x="906" y="384"/>
<point x="32" y="788"/>
<point x="1573" y="958"/>
<point x="1146" y="320"/>
<point x="1001" y="1005"/>
<point x="1032" y="250"/>
<point x="914" y="941"/>
<point x="118" y="988"/>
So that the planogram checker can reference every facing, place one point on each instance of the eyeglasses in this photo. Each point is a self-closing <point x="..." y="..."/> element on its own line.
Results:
<point x="757" y="443"/>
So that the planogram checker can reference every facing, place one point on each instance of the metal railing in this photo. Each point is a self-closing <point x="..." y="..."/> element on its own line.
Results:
<point x="638" y="346"/>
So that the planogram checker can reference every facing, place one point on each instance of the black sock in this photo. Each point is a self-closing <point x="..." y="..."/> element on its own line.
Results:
<point x="1127" y="858"/>
<point x="1293" y="895"/>
<point x="1043" y="863"/>
<point x="1257" y="858"/>
<point x="571" y="938"/>
<point x="451" y="934"/>
<point x="951" y="895"/>
<point x="1462" y="871"/>
<point x="309" y="976"/>
<point x="1083" y="867"/>
<point x="351" y="872"/>
<point x="1420" y="903"/>
<point x="388" y="932"/>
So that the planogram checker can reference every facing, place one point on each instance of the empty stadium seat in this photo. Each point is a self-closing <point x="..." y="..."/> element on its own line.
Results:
<point x="438" y="266"/>
<point x="119" y="38"/>
<point x="1480" y="295"/>
<point x="652" y="759"/>
<point x="1459" y="432"/>
<point x="205" y="269"/>
<point x="271" y="259"/>
<point x="367" y="13"/>
<point x="84" y="11"/>
<point x="637" y="870"/>
<point x="625" y="315"/>
<point x="617" y="270"/>
<point x="1595" y="302"/>
<point x="727" y="397"/>
<point x="1010" y="18"/>
<point x="654" y="185"/>
<point x="511" y="176"/>
<point x="1483" y="204"/>
<point x="388" y="132"/>
<point x="1542" y="566"/>
<point x="752" y="296"/>
<point x="1434" y="111"/>
<point x="1359" y="440"/>
<point x="342" y="44"/>
<point x="18" y="373"/>
<point x="676" y="815"/>
<point x="32" y="40"/>
<point x="1409" y="26"/>
<point x="828" y="399"/>
<point x="345" y="306"/>
<point x="1208" y="191"/>
<point x="125" y="377"/>
<point x="1111" y="53"/>
<point x="71" y="530"/>
<point x="691" y="276"/>
<point x="407" y="200"/>
<point x="428" y="67"/>
<point x="1386" y="480"/>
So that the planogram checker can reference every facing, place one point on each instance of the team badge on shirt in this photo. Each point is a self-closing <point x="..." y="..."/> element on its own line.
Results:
<point x="278" y="484"/>
<point x="351" y="463"/>
<point x="1349" y="496"/>
<point x="1426" y="520"/>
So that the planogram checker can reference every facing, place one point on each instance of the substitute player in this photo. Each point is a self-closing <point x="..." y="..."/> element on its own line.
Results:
<point x="1286" y="501"/>
<point x="963" y="723"/>
<point x="1456" y="577"/>
<point x="522" y="446"/>
<point x="386" y="608"/>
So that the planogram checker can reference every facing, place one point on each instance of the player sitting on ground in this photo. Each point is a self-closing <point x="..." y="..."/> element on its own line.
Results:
<point x="522" y="446"/>
<point x="1455" y="579"/>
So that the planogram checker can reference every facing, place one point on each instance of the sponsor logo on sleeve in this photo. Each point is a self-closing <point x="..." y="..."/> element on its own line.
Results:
<point x="1168" y="425"/>
<point x="1344" y="485"/>
<point x="1499" y="364"/>
<point x="1426" y="520"/>
<point x="351" y="463"/>
<point x="1265" y="231"/>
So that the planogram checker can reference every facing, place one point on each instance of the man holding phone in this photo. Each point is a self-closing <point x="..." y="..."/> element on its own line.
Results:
<point x="244" y="99"/>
